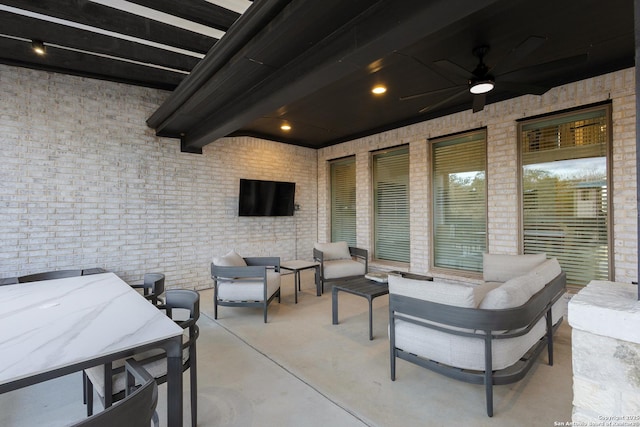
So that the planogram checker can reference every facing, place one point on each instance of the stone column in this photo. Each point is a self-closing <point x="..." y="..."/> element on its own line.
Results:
<point x="605" y="317"/>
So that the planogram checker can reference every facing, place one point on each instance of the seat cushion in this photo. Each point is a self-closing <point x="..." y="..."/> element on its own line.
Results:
<point x="156" y="368"/>
<point x="248" y="289"/>
<point x="468" y="352"/>
<point x="335" y="250"/>
<point x="342" y="268"/>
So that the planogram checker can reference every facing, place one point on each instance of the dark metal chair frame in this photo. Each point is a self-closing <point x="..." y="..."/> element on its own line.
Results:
<point x="152" y="287"/>
<point x="256" y="269"/>
<point x="137" y="409"/>
<point x="51" y="275"/>
<point x="491" y="323"/>
<point x="357" y="254"/>
<point x="186" y="299"/>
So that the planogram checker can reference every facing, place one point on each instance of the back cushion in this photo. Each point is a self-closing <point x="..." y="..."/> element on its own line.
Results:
<point x="335" y="250"/>
<point x="230" y="259"/>
<point x="500" y="268"/>
<point x="517" y="291"/>
<point x="543" y="274"/>
<point x="512" y="293"/>
<point x="456" y="294"/>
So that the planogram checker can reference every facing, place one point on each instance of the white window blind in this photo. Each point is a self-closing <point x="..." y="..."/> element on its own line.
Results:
<point x="459" y="201"/>
<point x="391" y="204"/>
<point x="343" y="200"/>
<point x="565" y="196"/>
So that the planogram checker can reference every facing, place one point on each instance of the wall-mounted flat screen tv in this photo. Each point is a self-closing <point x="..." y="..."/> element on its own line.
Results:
<point x="266" y="198"/>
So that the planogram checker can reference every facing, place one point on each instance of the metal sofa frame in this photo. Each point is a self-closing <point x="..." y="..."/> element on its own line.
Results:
<point x="492" y="323"/>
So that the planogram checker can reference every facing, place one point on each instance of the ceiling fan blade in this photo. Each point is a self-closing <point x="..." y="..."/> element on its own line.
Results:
<point x="431" y="92"/>
<point x="479" y="101"/>
<point x="523" y="88"/>
<point x="444" y="101"/>
<point x="542" y="70"/>
<point x="518" y="53"/>
<point x="452" y="68"/>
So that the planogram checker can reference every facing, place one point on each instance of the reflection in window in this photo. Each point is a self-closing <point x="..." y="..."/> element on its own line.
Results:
<point x="565" y="196"/>
<point x="460" y="201"/>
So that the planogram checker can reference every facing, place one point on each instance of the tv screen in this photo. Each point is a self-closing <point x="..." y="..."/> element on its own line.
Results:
<point x="266" y="198"/>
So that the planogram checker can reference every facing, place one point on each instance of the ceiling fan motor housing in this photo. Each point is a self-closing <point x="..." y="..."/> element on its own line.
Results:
<point x="481" y="73"/>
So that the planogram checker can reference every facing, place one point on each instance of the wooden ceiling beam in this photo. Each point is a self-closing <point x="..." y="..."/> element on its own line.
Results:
<point x="264" y="55"/>
<point x="199" y="11"/>
<point x="32" y="28"/>
<point x="382" y="28"/>
<point x="249" y="24"/>
<point x="19" y="53"/>
<point x="107" y="18"/>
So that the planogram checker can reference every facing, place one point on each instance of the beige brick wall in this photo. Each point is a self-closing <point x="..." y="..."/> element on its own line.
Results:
<point x="502" y="168"/>
<point x="84" y="182"/>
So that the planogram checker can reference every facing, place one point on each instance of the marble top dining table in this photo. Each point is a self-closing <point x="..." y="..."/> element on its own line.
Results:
<point x="55" y="327"/>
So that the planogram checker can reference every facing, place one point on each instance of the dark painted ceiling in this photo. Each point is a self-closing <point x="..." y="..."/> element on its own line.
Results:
<point x="312" y="64"/>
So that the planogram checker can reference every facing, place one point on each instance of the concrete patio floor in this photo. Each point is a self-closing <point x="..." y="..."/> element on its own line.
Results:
<point x="299" y="369"/>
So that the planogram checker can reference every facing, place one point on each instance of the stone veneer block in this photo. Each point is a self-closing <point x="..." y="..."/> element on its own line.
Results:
<point x="606" y="353"/>
<point x="609" y="309"/>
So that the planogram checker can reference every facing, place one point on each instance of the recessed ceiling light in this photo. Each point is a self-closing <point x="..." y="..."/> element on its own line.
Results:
<point x="379" y="89"/>
<point x="285" y="127"/>
<point x="38" y="47"/>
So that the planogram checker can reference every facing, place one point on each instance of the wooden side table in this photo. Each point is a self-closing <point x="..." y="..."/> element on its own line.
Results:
<point x="296" y="266"/>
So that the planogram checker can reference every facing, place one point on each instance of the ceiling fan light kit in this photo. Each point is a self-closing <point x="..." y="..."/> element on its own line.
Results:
<point x="482" y="79"/>
<point x="481" y="86"/>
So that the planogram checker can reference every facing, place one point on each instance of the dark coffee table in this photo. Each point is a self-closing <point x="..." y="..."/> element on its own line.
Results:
<point x="358" y="286"/>
<point x="363" y="287"/>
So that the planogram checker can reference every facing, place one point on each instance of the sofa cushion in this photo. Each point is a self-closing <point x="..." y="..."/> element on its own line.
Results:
<point x="248" y="289"/>
<point x="512" y="293"/>
<point x="483" y="289"/>
<point x="342" y="268"/>
<point x="230" y="259"/>
<point x="500" y="268"/>
<point x="335" y="250"/>
<point x="468" y="352"/>
<point x="451" y="293"/>
<point x="543" y="274"/>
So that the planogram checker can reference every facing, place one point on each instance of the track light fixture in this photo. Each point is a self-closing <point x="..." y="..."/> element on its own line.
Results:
<point x="38" y="47"/>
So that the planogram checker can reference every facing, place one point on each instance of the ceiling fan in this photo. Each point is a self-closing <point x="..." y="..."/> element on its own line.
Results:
<point x="483" y="79"/>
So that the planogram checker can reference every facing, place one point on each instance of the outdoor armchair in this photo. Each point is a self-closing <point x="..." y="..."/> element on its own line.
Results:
<point x="245" y="282"/>
<point x="339" y="261"/>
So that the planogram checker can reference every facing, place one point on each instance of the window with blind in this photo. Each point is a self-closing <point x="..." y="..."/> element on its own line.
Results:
<point x="391" y="204"/>
<point x="565" y="191"/>
<point x="343" y="200"/>
<point x="459" y="223"/>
